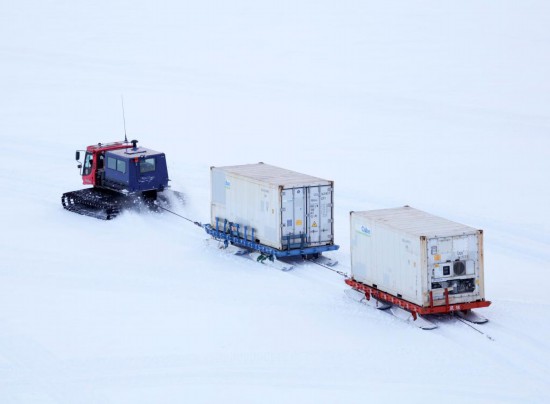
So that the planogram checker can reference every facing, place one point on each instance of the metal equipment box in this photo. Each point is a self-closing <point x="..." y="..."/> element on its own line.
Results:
<point x="417" y="257"/>
<point x="285" y="210"/>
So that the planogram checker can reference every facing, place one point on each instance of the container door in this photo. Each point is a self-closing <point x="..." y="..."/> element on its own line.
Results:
<point x="293" y="216"/>
<point x="325" y="214"/>
<point x="313" y="219"/>
<point x="319" y="226"/>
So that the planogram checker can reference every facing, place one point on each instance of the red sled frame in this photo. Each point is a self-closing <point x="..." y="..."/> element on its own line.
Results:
<point x="414" y="308"/>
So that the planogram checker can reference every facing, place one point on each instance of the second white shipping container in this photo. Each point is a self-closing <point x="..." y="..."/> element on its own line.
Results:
<point x="417" y="257"/>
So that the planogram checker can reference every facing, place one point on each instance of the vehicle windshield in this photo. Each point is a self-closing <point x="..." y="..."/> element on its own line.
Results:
<point x="87" y="164"/>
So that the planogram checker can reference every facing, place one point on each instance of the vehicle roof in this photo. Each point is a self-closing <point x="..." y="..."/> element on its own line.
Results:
<point x="130" y="152"/>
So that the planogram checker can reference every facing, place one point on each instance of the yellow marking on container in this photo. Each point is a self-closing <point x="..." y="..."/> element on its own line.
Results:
<point x="437" y="257"/>
<point x="298" y="222"/>
<point x="314" y="224"/>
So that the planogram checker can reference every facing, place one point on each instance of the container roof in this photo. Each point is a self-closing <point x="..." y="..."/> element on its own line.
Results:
<point x="131" y="152"/>
<point x="274" y="175"/>
<point x="417" y="222"/>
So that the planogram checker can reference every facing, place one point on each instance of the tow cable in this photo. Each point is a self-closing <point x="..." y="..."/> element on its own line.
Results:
<point x="183" y="217"/>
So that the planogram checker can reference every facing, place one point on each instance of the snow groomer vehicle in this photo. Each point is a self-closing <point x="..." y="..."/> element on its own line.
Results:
<point x="122" y="176"/>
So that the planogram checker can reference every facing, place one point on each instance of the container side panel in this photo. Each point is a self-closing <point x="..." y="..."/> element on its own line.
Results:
<point x="217" y="192"/>
<point x="386" y="258"/>
<point x="405" y="261"/>
<point x="247" y="203"/>
<point x="250" y="204"/>
<point x="218" y="187"/>
<point x="359" y="244"/>
<point x="424" y="281"/>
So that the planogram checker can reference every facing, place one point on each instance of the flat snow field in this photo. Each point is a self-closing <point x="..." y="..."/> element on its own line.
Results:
<point x="441" y="105"/>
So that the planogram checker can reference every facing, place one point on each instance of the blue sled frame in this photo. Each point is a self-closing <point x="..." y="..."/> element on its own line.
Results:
<point x="230" y="234"/>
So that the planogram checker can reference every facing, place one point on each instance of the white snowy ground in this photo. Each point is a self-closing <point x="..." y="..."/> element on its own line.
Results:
<point x="442" y="105"/>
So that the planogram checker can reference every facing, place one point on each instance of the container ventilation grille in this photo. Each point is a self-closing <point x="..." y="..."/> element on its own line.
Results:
<point x="459" y="268"/>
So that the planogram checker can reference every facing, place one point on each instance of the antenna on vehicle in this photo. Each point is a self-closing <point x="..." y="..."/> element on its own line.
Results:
<point x="123" y="119"/>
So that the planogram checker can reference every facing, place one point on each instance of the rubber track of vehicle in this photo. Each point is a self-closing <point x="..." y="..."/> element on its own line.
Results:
<point x="87" y="202"/>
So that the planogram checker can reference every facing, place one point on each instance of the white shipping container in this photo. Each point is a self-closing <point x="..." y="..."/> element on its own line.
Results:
<point x="409" y="253"/>
<point x="286" y="209"/>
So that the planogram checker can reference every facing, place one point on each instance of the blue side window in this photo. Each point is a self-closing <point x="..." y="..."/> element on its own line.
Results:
<point x="147" y="165"/>
<point x="121" y="166"/>
<point x="111" y="163"/>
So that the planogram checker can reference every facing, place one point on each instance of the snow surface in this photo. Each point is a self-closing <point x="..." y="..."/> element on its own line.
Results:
<point x="441" y="105"/>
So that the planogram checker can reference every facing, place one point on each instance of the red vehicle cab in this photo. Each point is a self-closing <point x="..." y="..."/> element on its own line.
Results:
<point x="94" y="159"/>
